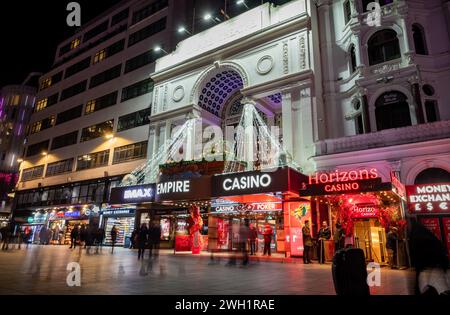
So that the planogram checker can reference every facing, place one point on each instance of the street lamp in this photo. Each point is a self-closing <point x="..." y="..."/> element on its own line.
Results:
<point x="208" y="17"/>
<point x="242" y="2"/>
<point x="158" y="49"/>
<point x="183" y="29"/>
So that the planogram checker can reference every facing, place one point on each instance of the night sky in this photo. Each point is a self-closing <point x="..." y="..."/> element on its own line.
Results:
<point x="32" y="29"/>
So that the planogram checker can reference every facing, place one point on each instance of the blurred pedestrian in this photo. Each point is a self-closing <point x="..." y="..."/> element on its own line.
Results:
<point x="307" y="243"/>
<point x="133" y="239"/>
<point x="100" y="236"/>
<point x="43" y="235"/>
<point x="244" y="235"/>
<point x="253" y="239"/>
<point x="141" y="237"/>
<point x="429" y="258"/>
<point x="74" y="234"/>
<point x="154" y="239"/>
<point x="83" y="234"/>
<point x="323" y="235"/>
<point x="391" y="246"/>
<point x="113" y="234"/>
<point x="338" y="237"/>
<point x="5" y="231"/>
<point x="268" y="232"/>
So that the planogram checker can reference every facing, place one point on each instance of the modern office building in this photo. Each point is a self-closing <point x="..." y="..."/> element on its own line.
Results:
<point x="16" y="106"/>
<point x="90" y="121"/>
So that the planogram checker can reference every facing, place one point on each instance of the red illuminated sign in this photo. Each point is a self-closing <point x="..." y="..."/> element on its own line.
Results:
<point x="342" y="182"/>
<point x="429" y="198"/>
<point x="364" y="211"/>
<point x="343" y="176"/>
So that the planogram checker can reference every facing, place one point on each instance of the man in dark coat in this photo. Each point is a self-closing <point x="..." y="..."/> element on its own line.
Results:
<point x="141" y="238"/>
<point x="253" y="239"/>
<point x="307" y="243"/>
<point x="338" y="237"/>
<point x="74" y="234"/>
<point x="323" y="235"/>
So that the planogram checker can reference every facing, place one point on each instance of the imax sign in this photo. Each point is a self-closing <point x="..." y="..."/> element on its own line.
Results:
<point x="138" y="193"/>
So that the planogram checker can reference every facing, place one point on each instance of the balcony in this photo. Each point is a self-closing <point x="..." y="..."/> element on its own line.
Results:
<point x="390" y="137"/>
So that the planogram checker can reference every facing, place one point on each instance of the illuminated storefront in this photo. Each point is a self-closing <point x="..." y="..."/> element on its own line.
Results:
<point x="362" y="203"/>
<point x="430" y="204"/>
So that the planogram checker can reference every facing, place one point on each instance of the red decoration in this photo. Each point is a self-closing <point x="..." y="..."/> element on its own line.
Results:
<point x="195" y="223"/>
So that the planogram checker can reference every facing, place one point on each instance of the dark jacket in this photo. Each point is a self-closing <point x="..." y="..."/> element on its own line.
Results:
<point x="113" y="234"/>
<point x="74" y="233"/>
<point x="306" y="236"/>
<point x="142" y="237"/>
<point x="391" y="240"/>
<point x="253" y="234"/>
<point x="154" y="234"/>
<point x="325" y="233"/>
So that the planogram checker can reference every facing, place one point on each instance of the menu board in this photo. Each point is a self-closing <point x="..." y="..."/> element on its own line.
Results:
<point x="432" y="224"/>
<point x="446" y="224"/>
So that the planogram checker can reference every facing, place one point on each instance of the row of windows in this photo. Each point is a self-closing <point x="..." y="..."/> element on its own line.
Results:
<point x="148" y="10"/>
<point x="46" y="102"/>
<point x="101" y="103"/>
<point x="147" y="31"/>
<point x="65" y="140"/>
<point x="95" y="31"/>
<point x="132" y="91"/>
<point x="97" y="131"/>
<point x="132" y="64"/>
<point x="122" y="154"/>
<point x="105" y="76"/>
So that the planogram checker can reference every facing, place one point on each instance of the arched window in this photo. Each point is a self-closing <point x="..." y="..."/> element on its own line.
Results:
<point x="392" y="111"/>
<point x="352" y="59"/>
<point x="383" y="46"/>
<point x="432" y="176"/>
<point x="419" y="39"/>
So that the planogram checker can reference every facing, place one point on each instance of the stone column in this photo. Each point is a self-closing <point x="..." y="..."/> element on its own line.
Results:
<point x="418" y="107"/>
<point x="287" y="121"/>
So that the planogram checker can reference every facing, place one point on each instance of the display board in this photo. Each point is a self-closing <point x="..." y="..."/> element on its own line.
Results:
<point x="124" y="228"/>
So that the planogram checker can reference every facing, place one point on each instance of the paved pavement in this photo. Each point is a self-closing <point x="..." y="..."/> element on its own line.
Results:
<point x="43" y="270"/>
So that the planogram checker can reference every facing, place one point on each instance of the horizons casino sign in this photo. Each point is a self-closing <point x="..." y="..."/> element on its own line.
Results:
<point x="429" y="198"/>
<point x="339" y="182"/>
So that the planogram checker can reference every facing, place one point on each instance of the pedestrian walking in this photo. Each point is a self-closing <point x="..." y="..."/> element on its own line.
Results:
<point x="391" y="246"/>
<point x="5" y="231"/>
<point x="113" y="237"/>
<point x="338" y="237"/>
<point x="74" y="234"/>
<point x="323" y="235"/>
<point x="43" y="235"/>
<point x="133" y="239"/>
<point x="142" y="240"/>
<point x="244" y="235"/>
<point x="307" y="243"/>
<point x="100" y="236"/>
<point x="253" y="239"/>
<point x="154" y="239"/>
<point x="268" y="232"/>
<point x="83" y="233"/>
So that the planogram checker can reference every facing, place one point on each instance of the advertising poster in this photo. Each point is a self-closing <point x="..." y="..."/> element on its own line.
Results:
<point x="296" y="213"/>
<point x="433" y="225"/>
<point x="446" y="223"/>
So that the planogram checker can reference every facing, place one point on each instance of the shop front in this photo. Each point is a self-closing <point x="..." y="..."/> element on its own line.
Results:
<point x="429" y="203"/>
<point x="268" y="200"/>
<point x="61" y="222"/>
<point x="362" y="204"/>
<point x="122" y="218"/>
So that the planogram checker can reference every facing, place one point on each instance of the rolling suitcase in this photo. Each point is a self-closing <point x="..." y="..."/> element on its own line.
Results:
<point x="350" y="273"/>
